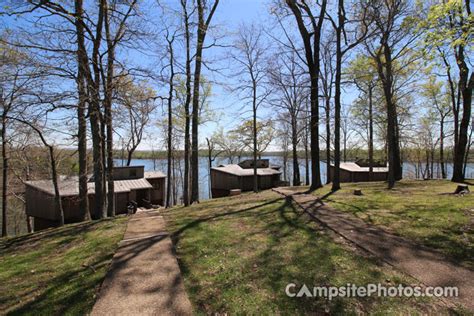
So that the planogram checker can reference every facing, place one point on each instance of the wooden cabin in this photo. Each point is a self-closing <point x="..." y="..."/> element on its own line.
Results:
<point x="130" y="184"/>
<point x="225" y="178"/>
<point x="359" y="171"/>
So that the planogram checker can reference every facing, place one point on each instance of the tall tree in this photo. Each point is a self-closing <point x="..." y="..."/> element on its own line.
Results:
<point x="440" y="105"/>
<point x="363" y="73"/>
<point x="17" y="77"/>
<point x="81" y="110"/>
<point x="31" y="123"/>
<point x="393" y="27"/>
<point x="327" y="74"/>
<point x="203" y="25"/>
<point x="187" y="103"/>
<point x="346" y="39"/>
<point x="170" y="51"/>
<point x="290" y="93"/>
<point x="310" y="28"/>
<point x="450" y="32"/>
<point x="136" y="101"/>
<point x="249" y="55"/>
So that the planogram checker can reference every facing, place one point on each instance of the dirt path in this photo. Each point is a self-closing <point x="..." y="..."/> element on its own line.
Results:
<point x="144" y="277"/>
<point x="426" y="265"/>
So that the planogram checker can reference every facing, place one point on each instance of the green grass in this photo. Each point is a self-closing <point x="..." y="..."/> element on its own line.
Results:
<point x="238" y="254"/>
<point x="57" y="271"/>
<point x="423" y="211"/>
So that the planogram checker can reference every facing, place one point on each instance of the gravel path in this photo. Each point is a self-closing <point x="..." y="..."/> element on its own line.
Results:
<point x="144" y="277"/>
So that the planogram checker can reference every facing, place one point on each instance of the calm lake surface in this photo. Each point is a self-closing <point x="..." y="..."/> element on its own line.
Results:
<point x="204" y="185"/>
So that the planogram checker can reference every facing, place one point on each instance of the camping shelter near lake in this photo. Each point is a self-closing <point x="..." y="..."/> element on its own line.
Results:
<point x="221" y="157"/>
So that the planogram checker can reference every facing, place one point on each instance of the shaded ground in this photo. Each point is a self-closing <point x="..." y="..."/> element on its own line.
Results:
<point x="144" y="277"/>
<point x="422" y="211"/>
<point x="57" y="271"/>
<point x="238" y="254"/>
<point x="428" y="266"/>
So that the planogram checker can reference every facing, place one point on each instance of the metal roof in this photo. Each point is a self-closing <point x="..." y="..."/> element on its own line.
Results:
<point x="241" y="172"/>
<point x="128" y="185"/>
<point x="353" y="167"/>
<point x="70" y="186"/>
<point x="154" y="175"/>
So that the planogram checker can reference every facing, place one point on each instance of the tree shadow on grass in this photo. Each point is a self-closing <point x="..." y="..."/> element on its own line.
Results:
<point x="292" y="250"/>
<point x="68" y="293"/>
<point x="32" y="239"/>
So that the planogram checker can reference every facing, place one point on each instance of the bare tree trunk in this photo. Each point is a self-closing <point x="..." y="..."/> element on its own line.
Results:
<point x="311" y="41"/>
<point x="328" y="138"/>
<point x="170" y="121"/>
<point x="466" y="89"/>
<point x="57" y="196"/>
<point x="294" y="143"/>
<point x="108" y="93"/>
<point x="95" y="121"/>
<point x="201" y="36"/>
<point x="468" y="149"/>
<point x="4" y="173"/>
<point x="441" y="149"/>
<point x="187" y="145"/>
<point x="254" y="134"/>
<point x="82" y="149"/>
<point x="385" y="72"/>
<point x="336" y="181"/>
<point x="81" y="118"/>
<point x="371" y="136"/>
<point x="306" y="155"/>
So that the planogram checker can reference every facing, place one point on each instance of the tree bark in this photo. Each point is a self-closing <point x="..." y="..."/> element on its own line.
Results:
<point x="294" y="143"/>
<point x="336" y="181"/>
<point x="311" y="42"/>
<point x="465" y="85"/>
<point x="254" y="136"/>
<point x="306" y="154"/>
<point x="384" y="68"/>
<point x="82" y="62"/>
<point x="170" y="123"/>
<point x="371" y="136"/>
<point x="4" y="172"/>
<point x="328" y="138"/>
<point x="187" y="103"/>
<point x="108" y="93"/>
<point x="54" y="173"/>
<point x="95" y="121"/>
<point x="441" y="148"/>
<point x="201" y="36"/>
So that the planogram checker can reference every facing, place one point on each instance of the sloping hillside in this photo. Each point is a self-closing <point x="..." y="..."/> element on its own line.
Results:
<point x="57" y="271"/>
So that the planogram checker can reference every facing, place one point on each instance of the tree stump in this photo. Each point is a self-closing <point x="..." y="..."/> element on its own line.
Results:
<point x="462" y="189"/>
<point x="358" y="192"/>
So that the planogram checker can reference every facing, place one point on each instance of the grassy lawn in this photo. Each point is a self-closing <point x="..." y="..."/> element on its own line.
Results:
<point x="419" y="210"/>
<point x="57" y="271"/>
<point x="238" y="254"/>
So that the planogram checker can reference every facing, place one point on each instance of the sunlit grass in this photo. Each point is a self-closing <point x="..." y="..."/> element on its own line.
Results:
<point x="424" y="211"/>
<point x="57" y="271"/>
<point x="238" y="254"/>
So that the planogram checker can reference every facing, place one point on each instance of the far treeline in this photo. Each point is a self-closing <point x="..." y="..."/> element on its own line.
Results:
<point x="315" y="80"/>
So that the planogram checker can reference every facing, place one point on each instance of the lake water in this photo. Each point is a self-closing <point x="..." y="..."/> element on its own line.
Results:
<point x="204" y="185"/>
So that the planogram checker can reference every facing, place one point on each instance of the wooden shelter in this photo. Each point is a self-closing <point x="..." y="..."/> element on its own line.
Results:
<point x="225" y="178"/>
<point x="359" y="171"/>
<point x="130" y="184"/>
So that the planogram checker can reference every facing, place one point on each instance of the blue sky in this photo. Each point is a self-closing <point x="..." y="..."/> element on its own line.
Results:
<point x="229" y="16"/>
